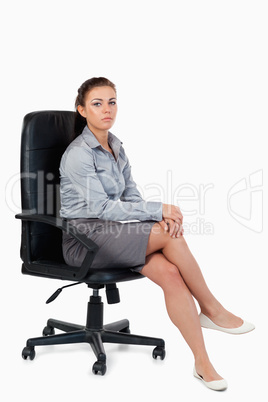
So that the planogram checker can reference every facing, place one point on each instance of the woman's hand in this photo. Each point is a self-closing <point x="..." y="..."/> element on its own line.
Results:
<point x="172" y="212"/>
<point x="175" y="229"/>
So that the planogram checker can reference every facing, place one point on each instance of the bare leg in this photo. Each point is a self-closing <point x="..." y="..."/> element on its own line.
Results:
<point x="178" y="253"/>
<point x="181" y="309"/>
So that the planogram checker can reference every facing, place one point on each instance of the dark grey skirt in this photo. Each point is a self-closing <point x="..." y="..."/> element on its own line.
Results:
<point x="120" y="244"/>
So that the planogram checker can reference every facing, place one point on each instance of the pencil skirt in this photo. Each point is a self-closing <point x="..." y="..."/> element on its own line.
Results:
<point x="120" y="244"/>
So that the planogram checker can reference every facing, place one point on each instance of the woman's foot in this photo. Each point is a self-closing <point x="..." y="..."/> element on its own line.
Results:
<point x="215" y="385"/>
<point x="224" y="318"/>
<point x="205" y="370"/>
<point x="225" y="321"/>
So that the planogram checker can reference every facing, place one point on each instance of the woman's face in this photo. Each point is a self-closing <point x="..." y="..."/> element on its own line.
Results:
<point x="100" y="109"/>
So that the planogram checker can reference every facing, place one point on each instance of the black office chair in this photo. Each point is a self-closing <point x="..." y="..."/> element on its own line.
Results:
<point x="45" y="136"/>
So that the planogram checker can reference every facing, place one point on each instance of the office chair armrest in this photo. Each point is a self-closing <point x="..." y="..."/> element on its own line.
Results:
<point x="63" y="225"/>
<point x="71" y="273"/>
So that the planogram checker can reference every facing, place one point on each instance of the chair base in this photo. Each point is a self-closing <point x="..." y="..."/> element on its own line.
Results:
<point x="94" y="333"/>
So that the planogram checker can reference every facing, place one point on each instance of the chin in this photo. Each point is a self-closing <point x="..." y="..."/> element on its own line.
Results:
<point x="107" y="125"/>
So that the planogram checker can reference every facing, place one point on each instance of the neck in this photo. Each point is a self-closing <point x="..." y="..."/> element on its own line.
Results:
<point x="102" y="136"/>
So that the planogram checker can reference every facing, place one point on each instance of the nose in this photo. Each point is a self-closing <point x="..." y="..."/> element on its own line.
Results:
<point x="107" y="108"/>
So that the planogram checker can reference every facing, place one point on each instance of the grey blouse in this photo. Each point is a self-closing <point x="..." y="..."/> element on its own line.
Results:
<point x="94" y="184"/>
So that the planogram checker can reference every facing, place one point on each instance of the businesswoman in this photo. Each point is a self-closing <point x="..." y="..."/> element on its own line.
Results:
<point x="98" y="191"/>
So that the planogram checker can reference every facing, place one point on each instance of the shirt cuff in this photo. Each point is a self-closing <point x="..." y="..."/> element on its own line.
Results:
<point x="155" y="210"/>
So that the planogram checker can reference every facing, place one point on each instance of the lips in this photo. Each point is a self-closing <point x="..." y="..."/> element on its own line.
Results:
<point x="107" y="119"/>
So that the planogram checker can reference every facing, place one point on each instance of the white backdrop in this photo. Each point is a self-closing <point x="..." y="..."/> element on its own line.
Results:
<point x="192" y="93"/>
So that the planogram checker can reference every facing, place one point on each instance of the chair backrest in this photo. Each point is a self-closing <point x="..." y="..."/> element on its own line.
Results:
<point x="45" y="136"/>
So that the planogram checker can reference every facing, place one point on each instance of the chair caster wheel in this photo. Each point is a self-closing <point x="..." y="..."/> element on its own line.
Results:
<point x="47" y="331"/>
<point x="28" y="352"/>
<point x="99" y="367"/>
<point x="159" y="351"/>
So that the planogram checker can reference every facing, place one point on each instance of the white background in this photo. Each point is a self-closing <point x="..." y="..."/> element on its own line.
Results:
<point x="192" y="92"/>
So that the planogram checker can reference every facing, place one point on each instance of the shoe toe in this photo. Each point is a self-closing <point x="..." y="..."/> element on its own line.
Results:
<point x="218" y="385"/>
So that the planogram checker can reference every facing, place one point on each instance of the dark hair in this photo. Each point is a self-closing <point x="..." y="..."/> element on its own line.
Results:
<point x="88" y="85"/>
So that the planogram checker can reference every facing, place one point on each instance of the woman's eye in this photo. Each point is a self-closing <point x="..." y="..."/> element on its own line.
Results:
<point x="98" y="104"/>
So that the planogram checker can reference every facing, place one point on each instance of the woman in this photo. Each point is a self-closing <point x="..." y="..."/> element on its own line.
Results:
<point x="97" y="191"/>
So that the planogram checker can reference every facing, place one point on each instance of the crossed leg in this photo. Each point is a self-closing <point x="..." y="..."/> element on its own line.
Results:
<point x="170" y="264"/>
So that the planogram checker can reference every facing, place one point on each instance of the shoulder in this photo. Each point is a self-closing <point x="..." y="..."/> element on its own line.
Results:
<point x="77" y="153"/>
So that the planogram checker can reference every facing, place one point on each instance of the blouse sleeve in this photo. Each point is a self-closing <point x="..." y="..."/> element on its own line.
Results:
<point x="79" y="169"/>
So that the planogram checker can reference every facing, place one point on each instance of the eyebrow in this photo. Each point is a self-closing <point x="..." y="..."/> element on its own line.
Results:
<point x="98" y="99"/>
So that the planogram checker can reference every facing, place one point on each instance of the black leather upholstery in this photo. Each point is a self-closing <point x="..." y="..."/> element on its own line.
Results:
<point x="45" y="136"/>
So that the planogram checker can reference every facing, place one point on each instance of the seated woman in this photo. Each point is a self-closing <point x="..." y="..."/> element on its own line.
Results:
<point x="97" y="192"/>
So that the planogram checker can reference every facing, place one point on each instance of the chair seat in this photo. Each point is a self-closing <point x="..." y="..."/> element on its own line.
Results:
<point x="114" y="275"/>
<point x="98" y="275"/>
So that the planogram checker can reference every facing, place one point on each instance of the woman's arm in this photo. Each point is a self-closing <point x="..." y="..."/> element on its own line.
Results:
<point x="131" y="193"/>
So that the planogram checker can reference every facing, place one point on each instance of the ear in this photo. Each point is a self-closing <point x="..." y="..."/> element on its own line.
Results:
<point x="81" y="110"/>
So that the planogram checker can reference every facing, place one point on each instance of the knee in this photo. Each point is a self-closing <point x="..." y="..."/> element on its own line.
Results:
<point x="163" y="237"/>
<point x="160" y="235"/>
<point x="171" y="276"/>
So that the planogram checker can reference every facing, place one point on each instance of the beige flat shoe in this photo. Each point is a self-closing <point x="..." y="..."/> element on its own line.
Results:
<point x="243" y="329"/>
<point x="218" y="385"/>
